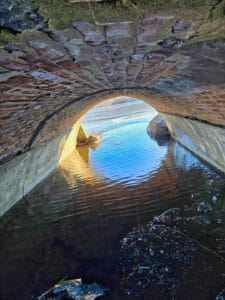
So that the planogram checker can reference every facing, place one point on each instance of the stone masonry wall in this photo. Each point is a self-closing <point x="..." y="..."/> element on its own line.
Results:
<point x="50" y="78"/>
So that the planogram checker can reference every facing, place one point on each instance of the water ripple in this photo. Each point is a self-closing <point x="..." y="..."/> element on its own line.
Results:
<point x="72" y="223"/>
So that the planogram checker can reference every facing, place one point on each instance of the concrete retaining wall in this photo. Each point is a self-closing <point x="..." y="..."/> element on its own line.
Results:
<point x="206" y="141"/>
<point x="21" y="174"/>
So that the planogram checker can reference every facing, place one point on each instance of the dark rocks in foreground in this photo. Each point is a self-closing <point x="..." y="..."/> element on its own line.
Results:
<point x="18" y="15"/>
<point x="73" y="289"/>
<point x="167" y="258"/>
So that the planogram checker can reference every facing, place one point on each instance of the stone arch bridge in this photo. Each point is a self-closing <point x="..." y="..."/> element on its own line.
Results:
<point x="50" y="78"/>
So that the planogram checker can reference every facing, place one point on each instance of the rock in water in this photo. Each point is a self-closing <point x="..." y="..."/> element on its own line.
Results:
<point x="204" y="207"/>
<point x="84" y="139"/>
<point x="73" y="289"/>
<point x="168" y="216"/>
<point x="221" y="295"/>
<point x="18" y="15"/>
<point x="158" y="130"/>
<point x="157" y="127"/>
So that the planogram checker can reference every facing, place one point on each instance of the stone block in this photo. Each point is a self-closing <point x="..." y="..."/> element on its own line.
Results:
<point x="46" y="49"/>
<point x="117" y="31"/>
<point x="91" y="35"/>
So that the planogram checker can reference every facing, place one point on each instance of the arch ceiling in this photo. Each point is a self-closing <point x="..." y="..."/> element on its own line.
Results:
<point x="50" y="77"/>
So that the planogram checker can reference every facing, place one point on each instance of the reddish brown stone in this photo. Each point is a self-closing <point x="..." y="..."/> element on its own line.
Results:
<point x="46" y="49"/>
<point x="91" y="34"/>
<point x="69" y="65"/>
<point x="149" y="27"/>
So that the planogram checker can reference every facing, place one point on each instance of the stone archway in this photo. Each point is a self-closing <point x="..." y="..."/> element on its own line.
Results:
<point x="174" y="61"/>
<point x="46" y="73"/>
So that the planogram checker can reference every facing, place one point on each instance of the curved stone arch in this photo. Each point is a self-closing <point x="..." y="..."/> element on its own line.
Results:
<point x="51" y="77"/>
<point x="63" y="122"/>
<point x="79" y="106"/>
<point x="41" y="78"/>
<point x="47" y="148"/>
<point x="85" y="104"/>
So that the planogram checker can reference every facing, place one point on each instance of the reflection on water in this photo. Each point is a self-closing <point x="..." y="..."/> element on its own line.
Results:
<point x="121" y="143"/>
<point x="125" y="141"/>
<point x="73" y="223"/>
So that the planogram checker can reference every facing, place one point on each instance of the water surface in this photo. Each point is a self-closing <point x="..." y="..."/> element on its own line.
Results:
<point x="75" y="222"/>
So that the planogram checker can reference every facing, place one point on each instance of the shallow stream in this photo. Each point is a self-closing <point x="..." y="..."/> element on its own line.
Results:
<point x="99" y="217"/>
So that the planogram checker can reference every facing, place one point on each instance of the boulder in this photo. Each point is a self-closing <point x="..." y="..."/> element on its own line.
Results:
<point x="204" y="207"/>
<point x="73" y="289"/>
<point x="18" y="15"/>
<point x="84" y="139"/>
<point x="157" y="128"/>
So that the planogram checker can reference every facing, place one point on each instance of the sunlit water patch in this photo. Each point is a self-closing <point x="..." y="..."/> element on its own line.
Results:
<point x="99" y="217"/>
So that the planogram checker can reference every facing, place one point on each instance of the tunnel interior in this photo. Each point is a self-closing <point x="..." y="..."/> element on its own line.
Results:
<point x="176" y="60"/>
<point x="144" y="218"/>
<point x="52" y="77"/>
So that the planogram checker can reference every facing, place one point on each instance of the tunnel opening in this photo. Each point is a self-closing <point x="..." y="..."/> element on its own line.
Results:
<point x="107" y="136"/>
<point x="99" y="199"/>
<point x="117" y="128"/>
<point x="112" y="132"/>
<point x="108" y="115"/>
<point x="104" y="115"/>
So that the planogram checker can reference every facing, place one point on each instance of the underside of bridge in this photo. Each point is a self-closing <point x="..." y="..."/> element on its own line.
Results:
<point x="171" y="56"/>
